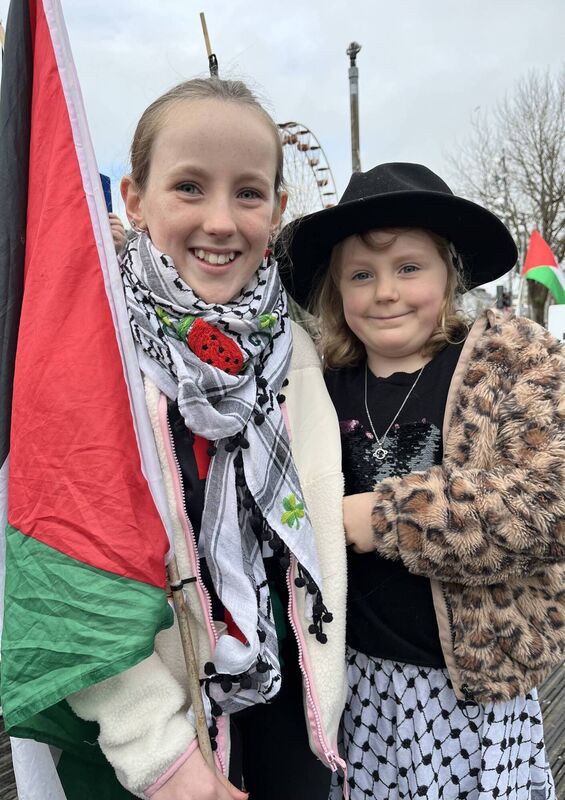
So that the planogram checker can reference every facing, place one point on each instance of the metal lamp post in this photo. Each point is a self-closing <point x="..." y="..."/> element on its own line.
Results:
<point x="352" y="51"/>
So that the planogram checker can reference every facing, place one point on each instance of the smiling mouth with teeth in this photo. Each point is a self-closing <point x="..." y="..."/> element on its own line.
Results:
<point x="214" y="258"/>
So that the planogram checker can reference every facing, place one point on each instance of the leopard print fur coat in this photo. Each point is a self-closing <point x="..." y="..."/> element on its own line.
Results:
<point x="487" y="526"/>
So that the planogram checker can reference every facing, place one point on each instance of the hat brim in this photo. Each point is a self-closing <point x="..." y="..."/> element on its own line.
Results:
<point x="484" y="243"/>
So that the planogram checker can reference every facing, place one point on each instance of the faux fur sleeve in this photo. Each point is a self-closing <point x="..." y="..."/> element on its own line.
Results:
<point x="495" y="509"/>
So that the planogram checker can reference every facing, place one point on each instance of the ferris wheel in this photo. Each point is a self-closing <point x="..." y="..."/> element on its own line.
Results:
<point x="308" y="176"/>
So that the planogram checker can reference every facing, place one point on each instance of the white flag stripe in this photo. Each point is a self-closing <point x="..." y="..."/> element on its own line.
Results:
<point x="35" y="771"/>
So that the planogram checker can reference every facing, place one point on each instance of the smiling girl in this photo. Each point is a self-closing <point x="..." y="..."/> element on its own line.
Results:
<point x="453" y="456"/>
<point x="257" y="522"/>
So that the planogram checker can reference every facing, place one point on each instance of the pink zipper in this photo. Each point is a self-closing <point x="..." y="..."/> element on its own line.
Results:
<point x="324" y="750"/>
<point x="190" y="539"/>
<point x="328" y="755"/>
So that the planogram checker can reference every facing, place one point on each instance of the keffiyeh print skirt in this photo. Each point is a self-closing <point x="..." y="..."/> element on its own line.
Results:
<point x="405" y="735"/>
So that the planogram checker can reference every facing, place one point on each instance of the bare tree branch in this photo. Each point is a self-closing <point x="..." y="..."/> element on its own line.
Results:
<point x="514" y="164"/>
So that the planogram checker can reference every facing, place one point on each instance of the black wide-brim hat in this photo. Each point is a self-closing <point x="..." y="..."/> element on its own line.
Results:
<point x="397" y="195"/>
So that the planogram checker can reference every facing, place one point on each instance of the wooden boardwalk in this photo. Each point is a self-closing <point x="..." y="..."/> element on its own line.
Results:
<point x="7" y="782"/>
<point x="552" y="698"/>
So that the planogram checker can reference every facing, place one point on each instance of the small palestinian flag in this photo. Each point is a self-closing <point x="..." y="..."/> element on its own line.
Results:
<point x="85" y="546"/>
<point x="540" y="265"/>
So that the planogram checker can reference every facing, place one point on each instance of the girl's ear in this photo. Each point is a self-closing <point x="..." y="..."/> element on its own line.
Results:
<point x="284" y="201"/>
<point x="279" y="211"/>
<point x="132" y="201"/>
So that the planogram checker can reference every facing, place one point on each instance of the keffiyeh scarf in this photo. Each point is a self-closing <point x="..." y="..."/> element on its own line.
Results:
<point x="225" y="366"/>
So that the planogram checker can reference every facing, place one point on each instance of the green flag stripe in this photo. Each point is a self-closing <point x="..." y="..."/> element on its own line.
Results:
<point x="82" y="780"/>
<point x="550" y="279"/>
<point x="70" y="625"/>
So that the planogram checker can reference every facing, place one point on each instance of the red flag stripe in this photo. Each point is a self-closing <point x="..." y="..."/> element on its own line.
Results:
<point x="539" y="253"/>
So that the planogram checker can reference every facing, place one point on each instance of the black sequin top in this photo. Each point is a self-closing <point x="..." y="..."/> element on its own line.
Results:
<point x="390" y="611"/>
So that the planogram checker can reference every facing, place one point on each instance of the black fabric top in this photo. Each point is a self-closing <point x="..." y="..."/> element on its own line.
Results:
<point x="390" y="612"/>
<point x="194" y="487"/>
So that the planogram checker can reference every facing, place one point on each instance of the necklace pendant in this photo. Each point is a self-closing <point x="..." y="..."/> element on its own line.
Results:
<point x="380" y="453"/>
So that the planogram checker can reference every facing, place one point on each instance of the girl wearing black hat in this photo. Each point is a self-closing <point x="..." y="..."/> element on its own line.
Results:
<point x="453" y="455"/>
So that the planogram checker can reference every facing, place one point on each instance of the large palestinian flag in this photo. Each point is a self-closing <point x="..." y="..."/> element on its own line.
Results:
<point x="540" y="265"/>
<point x="85" y="546"/>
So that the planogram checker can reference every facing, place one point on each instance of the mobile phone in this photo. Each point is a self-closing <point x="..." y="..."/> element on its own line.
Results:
<point x="107" y="189"/>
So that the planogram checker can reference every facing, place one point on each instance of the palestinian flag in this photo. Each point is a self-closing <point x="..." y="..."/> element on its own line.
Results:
<point x="85" y="545"/>
<point x="540" y="265"/>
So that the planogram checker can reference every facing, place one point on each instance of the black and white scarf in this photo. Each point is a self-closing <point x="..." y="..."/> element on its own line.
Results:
<point x="253" y="493"/>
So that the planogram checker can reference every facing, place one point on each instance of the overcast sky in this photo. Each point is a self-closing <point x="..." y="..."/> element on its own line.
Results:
<point x="424" y="68"/>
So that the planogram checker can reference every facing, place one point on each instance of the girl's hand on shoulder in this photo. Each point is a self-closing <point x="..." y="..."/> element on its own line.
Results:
<point x="194" y="781"/>
<point x="357" y="509"/>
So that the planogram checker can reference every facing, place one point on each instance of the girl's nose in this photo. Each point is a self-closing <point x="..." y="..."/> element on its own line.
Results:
<point x="386" y="291"/>
<point x="219" y="219"/>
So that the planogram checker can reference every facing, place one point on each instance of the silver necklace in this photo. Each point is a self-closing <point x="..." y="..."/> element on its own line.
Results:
<point x="379" y="452"/>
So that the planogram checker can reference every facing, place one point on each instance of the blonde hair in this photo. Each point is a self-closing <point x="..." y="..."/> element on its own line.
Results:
<point x="196" y="89"/>
<point x="339" y="345"/>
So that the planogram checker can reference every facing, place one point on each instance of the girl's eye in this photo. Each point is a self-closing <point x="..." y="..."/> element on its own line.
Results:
<point x="249" y="194"/>
<point x="361" y="276"/>
<point x="188" y="188"/>
<point x="409" y="268"/>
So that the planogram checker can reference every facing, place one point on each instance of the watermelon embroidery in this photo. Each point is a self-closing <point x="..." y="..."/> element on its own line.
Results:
<point x="214" y="347"/>
<point x="206" y="341"/>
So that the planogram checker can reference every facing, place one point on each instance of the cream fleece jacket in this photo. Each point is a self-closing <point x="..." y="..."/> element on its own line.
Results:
<point x="142" y="712"/>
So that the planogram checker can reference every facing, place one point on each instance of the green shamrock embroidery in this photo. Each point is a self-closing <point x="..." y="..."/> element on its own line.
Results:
<point x="293" y="511"/>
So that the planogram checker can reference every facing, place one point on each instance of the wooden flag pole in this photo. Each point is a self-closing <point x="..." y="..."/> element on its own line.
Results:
<point x="212" y="60"/>
<point x="193" y="672"/>
<point x="176" y="583"/>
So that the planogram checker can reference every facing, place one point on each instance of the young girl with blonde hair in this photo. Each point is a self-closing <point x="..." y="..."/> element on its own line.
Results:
<point x="453" y="456"/>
